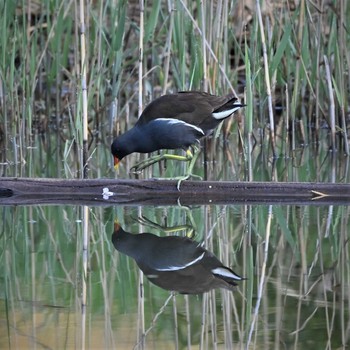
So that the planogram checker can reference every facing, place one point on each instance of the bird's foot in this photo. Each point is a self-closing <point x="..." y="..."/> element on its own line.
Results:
<point x="185" y="177"/>
<point x="137" y="168"/>
<point x="179" y="179"/>
<point x="188" y="228"/>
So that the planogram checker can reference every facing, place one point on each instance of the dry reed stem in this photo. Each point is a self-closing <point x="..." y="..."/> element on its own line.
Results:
<point x="171" y="10"/>
<point x="141" y="299"/>
<point x="267" y="78"/>
<point x="84" y="280"/>
<point x="83" y="70"/>
<point x="142" y="33"/>
<point x="331" y="103"/>
<point x="262" y="282"/>
<point x="204" y="51"/>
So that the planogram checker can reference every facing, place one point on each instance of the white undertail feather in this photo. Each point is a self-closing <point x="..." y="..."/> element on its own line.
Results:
<point x="225" y="273"/>
<point x="225" y="114"/>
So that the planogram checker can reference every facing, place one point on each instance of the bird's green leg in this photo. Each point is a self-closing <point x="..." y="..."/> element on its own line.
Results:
<point x="192" y="158"/>
<point x="189" y="157"/>
<point x="156" y="159"/>
<point x="189" y="229"/>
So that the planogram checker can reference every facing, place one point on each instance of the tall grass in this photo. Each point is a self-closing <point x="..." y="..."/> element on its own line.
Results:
<point x="273" y="52"/>
<point x="295" y="81"/>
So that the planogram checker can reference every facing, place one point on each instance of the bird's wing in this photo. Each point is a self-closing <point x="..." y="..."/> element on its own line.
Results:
<point x="175" y="253"/>
<point x="190" y="107"/>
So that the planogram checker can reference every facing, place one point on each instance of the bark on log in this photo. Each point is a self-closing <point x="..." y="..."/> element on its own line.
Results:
<point x="26" y="191"/>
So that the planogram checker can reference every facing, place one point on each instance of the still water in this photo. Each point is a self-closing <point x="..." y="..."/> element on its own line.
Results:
<point x="295" y="261"/>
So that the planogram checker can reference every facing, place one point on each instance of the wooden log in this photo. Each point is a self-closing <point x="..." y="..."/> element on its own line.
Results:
<point x="25" y="191"/>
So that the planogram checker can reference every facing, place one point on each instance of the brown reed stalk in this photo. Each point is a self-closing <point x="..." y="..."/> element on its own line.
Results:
<point x="267" y="78"/>
<point x="83" y="70"/>
<point x="331" y="103"/>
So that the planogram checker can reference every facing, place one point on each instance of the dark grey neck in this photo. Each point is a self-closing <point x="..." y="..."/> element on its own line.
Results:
<point x="131" y="140"/>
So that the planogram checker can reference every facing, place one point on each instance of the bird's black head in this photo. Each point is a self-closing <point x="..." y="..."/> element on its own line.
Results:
<point x="118" y="151"/>
<point x="131" y="141"/>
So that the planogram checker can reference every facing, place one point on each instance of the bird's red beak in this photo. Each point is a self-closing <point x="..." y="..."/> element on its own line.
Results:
<point x="116" y="163"/>
<point x="116" y="225"/>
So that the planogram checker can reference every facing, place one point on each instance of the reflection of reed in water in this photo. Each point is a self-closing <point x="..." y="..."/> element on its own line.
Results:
<point x="175" y="263"/>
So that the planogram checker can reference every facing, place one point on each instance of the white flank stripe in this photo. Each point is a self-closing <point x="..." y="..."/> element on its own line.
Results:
<point x="178" y="121"/>
<point x="225" y="114"/>
<point x="225" y="273"/>
<point x="181" y="267"/>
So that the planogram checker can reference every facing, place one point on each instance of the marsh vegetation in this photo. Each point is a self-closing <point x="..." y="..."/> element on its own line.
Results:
<point x="63" y="284"/>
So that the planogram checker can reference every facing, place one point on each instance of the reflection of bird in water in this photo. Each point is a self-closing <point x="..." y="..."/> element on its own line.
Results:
<point x="175" y="263"/>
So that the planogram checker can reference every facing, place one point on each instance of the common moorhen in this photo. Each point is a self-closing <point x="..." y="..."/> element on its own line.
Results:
<point x="175" y="263"/>
<point x="174" y="121"/>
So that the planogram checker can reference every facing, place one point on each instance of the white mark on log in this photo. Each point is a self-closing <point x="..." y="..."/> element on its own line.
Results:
<point x="107" y="193"/>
